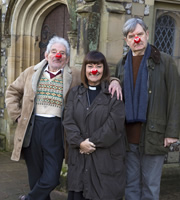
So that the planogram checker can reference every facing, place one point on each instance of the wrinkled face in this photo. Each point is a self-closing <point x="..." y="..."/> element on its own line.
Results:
<point x="94" y="73"/>
<point x="57" y="62"/>
<point x="138" y="48"/>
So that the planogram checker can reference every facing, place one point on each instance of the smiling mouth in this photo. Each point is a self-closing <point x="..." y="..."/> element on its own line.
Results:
<point x="57" y="61"/>
<point x="95" y="74"/>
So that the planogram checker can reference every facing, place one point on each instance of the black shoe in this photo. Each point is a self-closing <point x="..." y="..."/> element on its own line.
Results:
<point x="22" y="197"/>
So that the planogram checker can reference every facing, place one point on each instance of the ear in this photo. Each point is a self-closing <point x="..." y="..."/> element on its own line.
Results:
<point x="46" y="55"/>
<point x="126" y="41"/>
<point x="67" y="60"/>
<point x="147" y="33"/>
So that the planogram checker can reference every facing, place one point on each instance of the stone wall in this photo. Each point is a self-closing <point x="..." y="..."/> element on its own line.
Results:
<point x="95" y="24"/>
<point x="3" y="79"/>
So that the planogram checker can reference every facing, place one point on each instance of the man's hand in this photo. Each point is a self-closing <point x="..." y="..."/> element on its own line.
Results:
<point x="87" y="147"/>
<point x="115" y="87"/>
<point x="17" y="120"/>
<point x="169" y="141"/>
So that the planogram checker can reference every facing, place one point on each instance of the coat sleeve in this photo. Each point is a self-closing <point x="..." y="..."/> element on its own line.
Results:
<point x="173" y="106"/>
<point x="113" y="128"/>
<point x="73" y="135"/>
<point x="13" y="97"/>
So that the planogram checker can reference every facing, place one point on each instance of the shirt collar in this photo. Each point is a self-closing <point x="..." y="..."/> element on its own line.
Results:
<point x="46" y="69"/>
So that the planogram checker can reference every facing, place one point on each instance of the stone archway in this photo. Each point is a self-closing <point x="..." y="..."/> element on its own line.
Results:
<point x="23" y="27"/>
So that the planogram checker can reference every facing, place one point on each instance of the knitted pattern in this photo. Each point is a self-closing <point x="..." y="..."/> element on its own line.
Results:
<point x="50" y="95"/>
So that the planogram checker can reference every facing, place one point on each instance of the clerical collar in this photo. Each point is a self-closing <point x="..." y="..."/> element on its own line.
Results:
<point x="97" y="87"/>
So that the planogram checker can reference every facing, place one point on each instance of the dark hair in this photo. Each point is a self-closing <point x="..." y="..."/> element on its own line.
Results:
<point x="94" y="57"/>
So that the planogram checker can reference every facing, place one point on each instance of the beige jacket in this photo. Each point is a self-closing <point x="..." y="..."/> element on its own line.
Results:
<point x="20" y="96"/>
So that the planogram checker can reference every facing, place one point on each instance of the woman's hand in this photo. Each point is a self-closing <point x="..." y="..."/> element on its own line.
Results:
<point x="87" y="147"/>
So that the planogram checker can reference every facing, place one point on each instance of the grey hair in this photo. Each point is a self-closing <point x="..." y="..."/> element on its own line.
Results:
<point x="59" y="40"/>
<point x="131" y="24"/>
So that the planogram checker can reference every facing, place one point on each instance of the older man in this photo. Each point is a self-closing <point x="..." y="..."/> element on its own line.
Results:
<point x="35" y="101"/>
<point x="150" y="83"/>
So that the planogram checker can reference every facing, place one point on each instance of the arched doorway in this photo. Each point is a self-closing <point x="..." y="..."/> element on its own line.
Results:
<point x="56" y="23"/>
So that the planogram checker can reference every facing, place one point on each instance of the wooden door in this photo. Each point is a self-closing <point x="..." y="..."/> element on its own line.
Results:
<point x="56" y="23"/>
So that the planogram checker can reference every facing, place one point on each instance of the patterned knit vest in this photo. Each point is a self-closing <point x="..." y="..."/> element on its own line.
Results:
<point x="50" y="96"/>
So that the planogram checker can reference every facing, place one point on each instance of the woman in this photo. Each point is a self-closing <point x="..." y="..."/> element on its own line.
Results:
<point x="94" y="124"/>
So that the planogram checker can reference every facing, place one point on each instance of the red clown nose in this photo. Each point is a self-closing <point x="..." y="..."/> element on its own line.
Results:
<point x="137" y="39"/>
<point x="58" y="55"/>
<point x="94" y="71"/>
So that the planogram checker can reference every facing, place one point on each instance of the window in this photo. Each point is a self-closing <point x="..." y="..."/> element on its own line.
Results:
<point x="164" y="34"/>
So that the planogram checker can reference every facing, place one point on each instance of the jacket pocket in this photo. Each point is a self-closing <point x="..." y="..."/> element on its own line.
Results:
<point x="156" y="131"/>
<point x="111" y="164"/>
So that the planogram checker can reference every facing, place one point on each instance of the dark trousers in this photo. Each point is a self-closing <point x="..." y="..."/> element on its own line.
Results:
<point x="77" y="196"/>
<point x="44" y="157"/>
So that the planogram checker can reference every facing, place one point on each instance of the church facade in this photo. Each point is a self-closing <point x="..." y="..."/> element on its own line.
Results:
<point x="27" y="26"/>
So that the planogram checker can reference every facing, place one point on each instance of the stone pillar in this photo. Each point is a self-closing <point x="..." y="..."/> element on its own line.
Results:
<point x="111" y="38"/>
<point x="88" y="26"/>
<point x="3" y="79"/>
<point x="72" y="35"/>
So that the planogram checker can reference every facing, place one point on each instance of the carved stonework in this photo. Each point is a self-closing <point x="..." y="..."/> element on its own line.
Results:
<point x="87" y="8"/>
<point x="88" y="26"/>
<point x="72" y="35"/>
<point x="1" y="113"/>
<point x="3" y="51"/>
<point x="73" y="15"/>
<point x="142" y="1"/>
<point x="128" y="7"/>
<point x="115" y="8"/>
<point x="146" y="10"/>
<point x="93" y="31"/>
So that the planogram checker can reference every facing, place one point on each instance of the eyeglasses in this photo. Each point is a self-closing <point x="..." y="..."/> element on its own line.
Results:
<point x="54" y="52"/>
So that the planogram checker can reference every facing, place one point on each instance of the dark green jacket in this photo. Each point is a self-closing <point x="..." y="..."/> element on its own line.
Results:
<point x="163" y="112"/>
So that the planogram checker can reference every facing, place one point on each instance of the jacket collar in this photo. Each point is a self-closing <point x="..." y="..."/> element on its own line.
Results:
<point x="38" y="70"/>
<point x="67" y="79"/>
<point x="155" y="55"/>
<point x="67" y="76"/>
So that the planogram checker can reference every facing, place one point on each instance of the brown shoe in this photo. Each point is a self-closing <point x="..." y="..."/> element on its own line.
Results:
<point x="22" y="197"/>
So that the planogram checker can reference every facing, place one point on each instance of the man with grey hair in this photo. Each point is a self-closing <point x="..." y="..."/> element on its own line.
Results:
<point x="35" y="100"/>
<point x="150" y="83"/>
